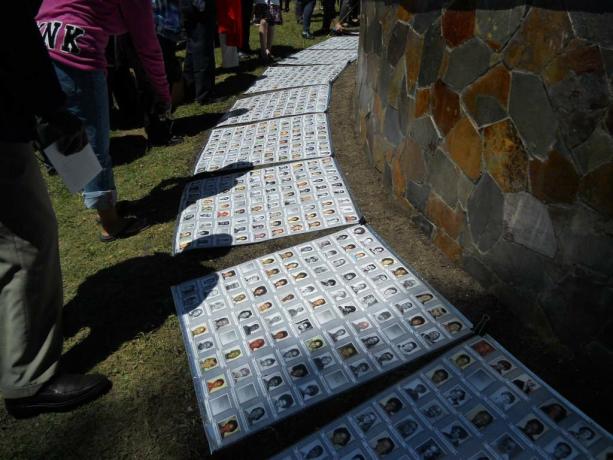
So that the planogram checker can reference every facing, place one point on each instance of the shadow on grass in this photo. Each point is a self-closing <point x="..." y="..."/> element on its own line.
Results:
<point x="120" y="302"/>
<point x="190" y="126"/>
<point x="128" y="148"/>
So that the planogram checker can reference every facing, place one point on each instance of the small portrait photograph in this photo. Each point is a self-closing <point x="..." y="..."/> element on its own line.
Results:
<point x="291" y="265"/>
<point x="219" y="405"/>
<point x="341" y="294"/>
<point x="266" y="362"/>
<point x="387" y="261"/>
<point x="462" y="360"/>
<point x="501" y="365"/>
<point x="228" y="274"/>
<point x="227" y="337"/>
<point x="584" y="433"/>
<point x="283" y="402"/>
<point x="306" y="290"/>
<point x="369" y="300"/>
<point x="430" y="450"/>
<point x="241" y="373"/>
<point x="274" y="319"/>
<point x="433" y="411"/>
<point x="268" y="261"/>
<point x="368" y="268"/>
<point x="408" y="427"/>
<point x="329" y="283"/>
<point x="340" y="436"/>
<point x="304" y="325"/>
<point x="437" y="312"/>
<point x="359" y="287"/>
<point x="244" y="315"/>
<point x="385" y="357"/>
<point x="272" y="382"/>
<point x="554" y="410"/>
<point x="228" y="427"/>
<point x="371" y="340"/>
<point x="260" y="291"/>
<point x="280" y="335"/>
<point x="257" y="344"/>
<point x="338" y="263"/>
<point x="349" y="276"/>
<point x="272" y="272"/>
<point x="389" y="291"/>
<point x="288" y="298"/>
<point x="504" y="398"/>
<point x="383" y="316"/>
<point x="347" y="351"/>
<point x="208" y="363"/>
<point x="457" y="396"/>
<point x="255" y="414"/>
<point x="438" y="375"/>
<point x="300" y="276"/>
<point x="483" y="348"/>
<point x="336" y="379"/>
<point x="324" y="316"/>
<point x="233" y="354"/>
<point x="559" y="449"/>
<point x="296" y="310"/>
<point x="232" y="286"/>
<point x="347" y="309"/>
<point x="315" y="343"/>
<point x="366" y="419"/>
<point x="323" y="361"/>
<point x="456" y="434"/>
<point x="199" y="330"/>
<point x="298" y="371"/>
<point x="532" y="427"/>
<point x="453" y="326"/>
<point x="391" y="404"/>
<point x="432" y="336"/>
<point x="239" y="298"/>
<point x="205" y="345"/>
<point x="196" y="312"/>
<point x="309" y="390"/>
<point x="526" y="384"/>
<point x="291" y="353"/>
<point x="404" y="307"/>
<point x="399" y="272"/>
<point x="507" y="447"/>
<point x="360" y="368"/>
<point x="280" y="283"/>
<point x="286" y="255"/>
<point x="313" y="451"/>
<point x="361" y="325"/>
<point x="382" y="444"/>
<point x="407" y="347"/>
<point x="480" y="379"/>
<point x="415" y="389"/>
<point x="480" y="417"/>
<point x="251" y="328"/>
<point x="394" y="331"/>
<point x="264" y="307"/>
<point x="338" y="333"/>
<point x="317" y="302"/>
<point x="216" y="383"/>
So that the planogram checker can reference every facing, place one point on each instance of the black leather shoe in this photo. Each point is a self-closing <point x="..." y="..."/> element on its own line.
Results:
<point x="62" y="393"/>
<point x="308" y="35"/>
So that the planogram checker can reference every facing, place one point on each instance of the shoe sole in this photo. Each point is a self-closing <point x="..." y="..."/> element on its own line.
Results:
<point x="32" y="410"/>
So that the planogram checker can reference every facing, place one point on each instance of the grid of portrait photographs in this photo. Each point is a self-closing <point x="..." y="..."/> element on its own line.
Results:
<point x="346" y="42"/>
<point x="271" y="336"/>
<point x="321" y="56"/>
<point x="279" y="140"/>
<point x="264" y="204"/>
<point x="275" y="78"/>
<point x="475" y="402"/>
<point x="284" y="103"/>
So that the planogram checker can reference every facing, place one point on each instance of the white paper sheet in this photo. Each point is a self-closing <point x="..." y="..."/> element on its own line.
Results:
<point x="75" y="170"/>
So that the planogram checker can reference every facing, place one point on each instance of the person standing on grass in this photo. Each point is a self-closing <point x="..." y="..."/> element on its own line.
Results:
<point x="31" y="297"/>
<point x="267" y="14"/>
<point x="307" y="7"/>
<point x="76" y="33"/>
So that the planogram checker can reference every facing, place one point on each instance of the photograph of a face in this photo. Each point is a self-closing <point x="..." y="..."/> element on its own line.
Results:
<point x="276" y="78"/>
<point x="275" y="329"/>
<point x="410" y="419"/>
<point x="283" y="103"/>
<point x="321" y="56"/>
<point x="302" y="137"/>
<point x="263" y="204"/>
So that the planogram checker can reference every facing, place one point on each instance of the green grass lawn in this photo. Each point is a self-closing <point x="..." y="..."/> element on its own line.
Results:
<point x="119" y="317"/>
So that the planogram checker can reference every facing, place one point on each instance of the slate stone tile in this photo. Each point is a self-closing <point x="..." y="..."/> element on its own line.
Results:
<point x="485" y="210"/>
<point x="432" y="55"/>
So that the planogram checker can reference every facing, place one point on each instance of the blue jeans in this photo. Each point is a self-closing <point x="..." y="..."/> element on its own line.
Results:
<point x="87" y="98"/>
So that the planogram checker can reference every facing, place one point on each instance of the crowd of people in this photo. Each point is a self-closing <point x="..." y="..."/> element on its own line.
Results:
<point x="63" y="65"/>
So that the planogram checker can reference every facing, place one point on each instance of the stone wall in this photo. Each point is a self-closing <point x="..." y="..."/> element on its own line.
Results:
<point x="494" y="119"/>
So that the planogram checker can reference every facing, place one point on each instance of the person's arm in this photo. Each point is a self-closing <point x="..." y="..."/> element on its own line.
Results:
<point x="138" y="18"/>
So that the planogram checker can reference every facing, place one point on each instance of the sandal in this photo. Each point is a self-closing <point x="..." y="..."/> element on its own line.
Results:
<point x="131" y="226"/>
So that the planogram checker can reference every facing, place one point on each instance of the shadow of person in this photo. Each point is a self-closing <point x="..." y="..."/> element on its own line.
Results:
<point x="128" y="148"/>
<point x="235" y="85"/>
<point x="120" y="302"/>
<point x="160" y="204"/>
<point x="190" y="126"/>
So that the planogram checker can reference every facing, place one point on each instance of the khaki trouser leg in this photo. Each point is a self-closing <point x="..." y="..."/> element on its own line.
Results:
<point x="30" y="277"/>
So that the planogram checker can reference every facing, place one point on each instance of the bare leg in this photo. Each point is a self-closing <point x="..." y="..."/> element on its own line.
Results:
<point x="109" y="221"/>
<point x="263" y="38"/>
<point x="271" y="34"/>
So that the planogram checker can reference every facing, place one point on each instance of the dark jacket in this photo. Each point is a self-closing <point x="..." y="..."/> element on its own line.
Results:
<point x="28" y="85"/>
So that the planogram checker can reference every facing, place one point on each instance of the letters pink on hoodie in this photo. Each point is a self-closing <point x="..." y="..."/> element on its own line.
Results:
<point x="76" y="33"/>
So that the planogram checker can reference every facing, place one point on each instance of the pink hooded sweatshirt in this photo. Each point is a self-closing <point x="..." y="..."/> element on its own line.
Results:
<point x="76" y="33"/>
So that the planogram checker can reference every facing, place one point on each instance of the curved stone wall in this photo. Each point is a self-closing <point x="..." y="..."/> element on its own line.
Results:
<point x="494" y="119"/>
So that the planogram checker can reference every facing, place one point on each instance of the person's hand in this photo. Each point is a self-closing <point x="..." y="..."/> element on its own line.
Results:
<point x="65" y="129"/>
